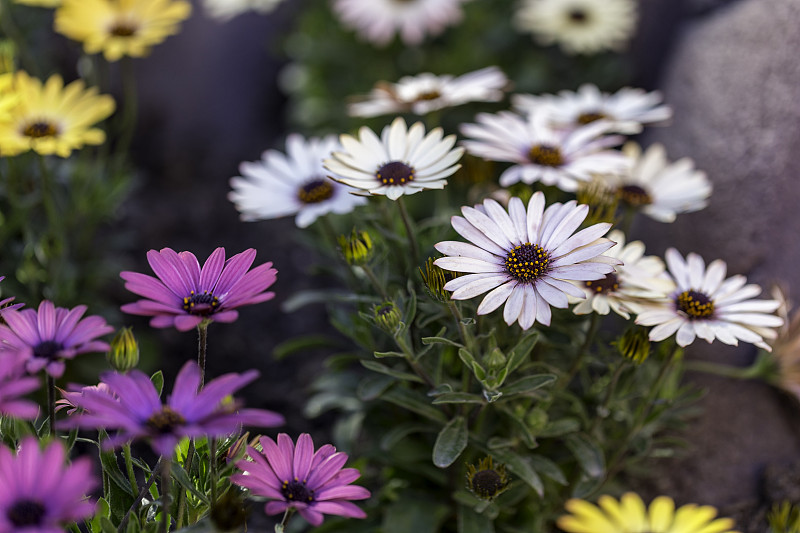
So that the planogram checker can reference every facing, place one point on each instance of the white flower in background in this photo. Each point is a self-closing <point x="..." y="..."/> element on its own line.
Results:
<point x="704" y="304"/>
<point x="627" y="109"/>
<point x="579" y="26"/>
<point x="294" y="183"/>
<point x="402" y="161"/>
<point x="524" y="256"/>
<point x="658" y="188"/>
<point x="225" y="10"/>
<point x="428" y="92"/>
<point x="379" y="20"/>
<point x="542" y="153"/>
<point x="637" y="280"/>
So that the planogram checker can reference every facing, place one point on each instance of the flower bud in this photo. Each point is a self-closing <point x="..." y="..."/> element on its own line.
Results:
<point x="634" y="344"/>
<point x="357" y="249"/>
<point x="387" y="316"/>
<point x="434" y="279"/>
<point x="601" y="199"/>
<point x="124" y="352"/>
<point x="487" y="481"/>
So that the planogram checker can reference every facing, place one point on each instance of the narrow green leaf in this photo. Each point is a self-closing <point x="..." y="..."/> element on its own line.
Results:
<point x="440" y="389"/>
<point x="410" y="400"/>
<point x="381" y="355"/>
<point x="383" y="369"/>
<point x="548" y="468"/>
<point x="451" y="442"/>
<point x="371" y="387"/>
<point x="559" y="428"/>
<point x="102" y="510"/>
<point x="441" y="340"/>
<point x="520" y="466"/>
<point x="519" y="353"/>
<point x="106" y="526"/>
<point x="529" y="383"/>
<point x="180" y="475"/>
<point x="457" y="397"/>
<point x="588" y="454"/>
<point x="158" y="381"/>
<point x="300" y="344"/>
<point x="111" y="468"/>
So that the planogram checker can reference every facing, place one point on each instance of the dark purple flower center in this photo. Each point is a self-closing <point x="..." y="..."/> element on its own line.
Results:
<point x="695" y="304"/>
<point x="610" y="283"/>
<point x="47" y="350"/>
<point x="26" y="513"/>
<point x="296" y="491"/>
<point x="527" y="262"/>
<point x="315" y="191"/>
<point x="590" y="116"/>
<point x="39" y="129"/>
<point x="487" y="483"/>
<point x="546" y="155"/>
<point x="635" y="196"/>
<point x="579" y="16"/>
<point x="200" y="304"/>
<point x="165" y="421"/>
<point x="395" y="173"/>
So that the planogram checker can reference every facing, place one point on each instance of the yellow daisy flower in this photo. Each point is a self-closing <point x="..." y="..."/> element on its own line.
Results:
<point x="120" y="27"/>
<point x="8" y="97"/>
<point x="629" y="515"/>
<point x="51" y="118"/>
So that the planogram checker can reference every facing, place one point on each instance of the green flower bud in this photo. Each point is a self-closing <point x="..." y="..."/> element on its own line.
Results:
<point x="357" y="249"/>
<point x="784" y="518"/>
<point x="487" y="481"/>
<point x="434" y="279"/>
<point x="496" y="359"/>
<point x="601" y="199"/>
<point x="124" y="352"/>
<point x="387" y="316"/>
<point x="634" y="344"/>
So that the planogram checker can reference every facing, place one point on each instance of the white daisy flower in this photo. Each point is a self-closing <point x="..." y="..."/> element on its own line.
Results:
<point x="428" y="92"/>
<point x="526" y="258"/>
<point x="379" y="20"/>
<point x="704" y="304"/>
<point x="638" y="279"/>
<point x="627" y="109"/>
<point x="225" y="10"/>
<point x="658" y="188"/>
<point x="402" y="161"/>
<point x="543" y="153"/>
<point x="294" y="183"/>
<point x="579" y="26"/>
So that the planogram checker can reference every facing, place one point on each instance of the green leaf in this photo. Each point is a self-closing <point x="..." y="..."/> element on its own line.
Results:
<point x="398" y="433"/>
<point x="383" y="369"/>
<point x="457" y="397"/>
<point x="304" y="298"/>
<point x="471" y="522"/>
<point x="381" y="355"/>
<point x="300" y="344"/>
<point x="451" y="442"/>
<point x="559" y="428"/>
<point x="106" y="526"/>
<point x="371" y="387"/>
<point x="158" y="381"/>
<point x="528" y="384"/>
<point x="588" y="454"/>
<point x="520" y="466"/>
<point x="180" y="475"/>
<point x="548" y="468"/>
<point x="414" y="515"/>
<point x="102" y="510"/>
<point x="519" y="353"/>
<point x="111" y="468"/>
<point x="407" y="399"/>
<point x="441" y="340"/>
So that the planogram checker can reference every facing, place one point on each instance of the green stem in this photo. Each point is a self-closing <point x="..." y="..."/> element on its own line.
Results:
<point x="279" y="528"/>
<point x="128" y="121"/>
<point x="412" y="238"/>
<point x="51" y="404"/>
<point x="412" y="362"/>
<point x="126" y="451"/>
<point x="594" y="324"/>
<point x="375" y="282"/>
<point x="182" y="496"/>
<point x="612" y="386"/>
<point x="166" y="488"/>
<point x="10" y="28"/>
<point x="213" y="468"/>
<point x="123" y="526"/>
<point x="202" y="349"/>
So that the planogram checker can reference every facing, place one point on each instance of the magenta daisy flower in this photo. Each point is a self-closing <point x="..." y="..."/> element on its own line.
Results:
<point x="184" y="295"/>
<point x="314" y="483"/>
<point x="45" y="338"/>
<point x="130" y="404"/>
<point x="38" y="493"/>
<point x="14" y="385"/>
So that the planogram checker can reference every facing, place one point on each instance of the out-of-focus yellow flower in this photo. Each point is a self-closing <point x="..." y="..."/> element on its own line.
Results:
<point x="120" y="27"/>
<point x="51" y="118"/>
<point x="39" y="3"/>
<point x="629" y="515"/>
<point x="8" y="97"/>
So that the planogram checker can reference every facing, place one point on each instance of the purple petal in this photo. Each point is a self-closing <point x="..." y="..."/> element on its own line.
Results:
<point x="347" y="509"/>
<point x="22" y="324"/>
<point x="149" y="287"/>
<point x="192" y="267"/>
<point x="187" y="322"/>
<point x="343" y="492"/>
<point x="184" y="391"/>
<point x="276" y="507"/>
<point x="212" y="269"/>
<point x="303" y="455"/>
<point x="261" y="418"/>
<point x="279" y="461"/>
<point x="47" y="320"/>
<point x="312" y="517"/>
<point x="234" y="269"/>
<point x="165" y="269"/>
<point x="327" y="470"/>
<point x="68" y="323"/>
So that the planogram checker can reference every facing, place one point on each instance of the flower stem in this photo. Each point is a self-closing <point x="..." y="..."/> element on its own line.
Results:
<point x="123" y="526"/>
<point x="126" y="451"/>
<point x="594" y="324"/>
<point x="213" y="468"/>
<point x="375" y="281"/>
<point x="279" y="528"/>
<point x="412" y="238"/>
<point x="182" y="497"/>
<point x="202" y="347"/>
<point x="128" y="122"/>
<point x="166" y="488"/>
<point x="51" y="403"/>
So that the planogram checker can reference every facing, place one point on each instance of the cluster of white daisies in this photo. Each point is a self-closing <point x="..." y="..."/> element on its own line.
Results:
<point x="526" y="258"/>
<point x="577" y="26"/>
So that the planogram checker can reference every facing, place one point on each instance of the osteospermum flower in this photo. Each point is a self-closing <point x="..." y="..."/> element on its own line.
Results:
<point x="541" y="152"/>
<point x="120" y="27"/>
<point x="579" y="26"/>
<point x="704" y="304"/>
<point x="38" y="493"/>
<point x="658" y="188"/>
<point x="379" y="20"/>
<point x="638" y="279"/>
<point x="225" y="10"/>
<point x="292" y="184"/>
<point x="14" y="384"/>
<point x="46" y="337"/>
<point x="526" y="258"/>
<point x="402" y="161"/>
<point x="629" y="515"/>
<point x="183" y="295"/>
<point x="295" y="476"/>
<point x="130" y="404"/>
<point x="51" y="118"/>
<point x="428" y="92"/>
<point x="627" y="109"/>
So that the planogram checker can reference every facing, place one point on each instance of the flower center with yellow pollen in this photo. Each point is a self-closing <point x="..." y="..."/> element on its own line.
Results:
<point x="433" y="94"/>
<point x="527" y="262"/>
<point x="200" y="304"/>
<point x="39" y="129"/>
<point x="395" y="173"/>
<point x="315" y="191"/>
<point x="296" y="491"/>
<point x="609" y="283"/>
<point x="165" y="420"/>
<point x="590" y="116"/>
<point x="546" y="155"/>
<point x="634" y="196"/>
<point x="695" y="304"/>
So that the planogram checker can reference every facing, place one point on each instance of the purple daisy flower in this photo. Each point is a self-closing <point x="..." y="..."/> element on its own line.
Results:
<point x="46" y="337"/>
<point x="14" y="385"/>
<point x="314" y="483"/>
<point x="38" y="494"/>
<point x="130" y="404"/>
<point x="184" y="295"/>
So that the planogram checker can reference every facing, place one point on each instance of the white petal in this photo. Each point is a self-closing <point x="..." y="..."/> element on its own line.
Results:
<point x="514" y="305"/>
<point x="495" y="299"/>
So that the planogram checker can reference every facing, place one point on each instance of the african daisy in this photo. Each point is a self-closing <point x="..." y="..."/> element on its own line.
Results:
<point x="225" y="10"/>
